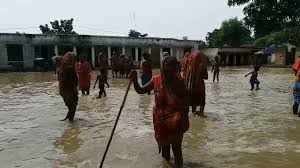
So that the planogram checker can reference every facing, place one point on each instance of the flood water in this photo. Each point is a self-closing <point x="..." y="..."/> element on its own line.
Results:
<point x="244" y="129"/>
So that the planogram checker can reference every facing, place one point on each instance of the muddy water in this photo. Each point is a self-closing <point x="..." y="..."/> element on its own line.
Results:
<point x="244" y="128"/>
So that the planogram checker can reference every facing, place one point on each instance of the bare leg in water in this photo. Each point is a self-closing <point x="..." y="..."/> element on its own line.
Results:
<point x="71" y="114"/>
<point x="177" y="151"/>
<point x="201" y="112"/>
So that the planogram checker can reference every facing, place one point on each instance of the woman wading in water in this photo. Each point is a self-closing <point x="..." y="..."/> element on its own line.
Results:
<point x="170" y="113"/>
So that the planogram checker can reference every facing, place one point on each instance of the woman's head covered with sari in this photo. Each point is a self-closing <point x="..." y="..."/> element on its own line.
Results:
<point x="169" y="69"/>
<point x="170" y="77"/>
<point x="68" y="59"/>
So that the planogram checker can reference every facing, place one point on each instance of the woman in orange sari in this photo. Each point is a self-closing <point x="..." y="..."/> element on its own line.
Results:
<point x="84" y="69"/>
<point x="170" y="113"/>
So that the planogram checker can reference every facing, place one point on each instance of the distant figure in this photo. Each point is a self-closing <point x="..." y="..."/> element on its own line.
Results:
<point x="253" y="79"/>
<point x="165" y="54"/>
<point x="122" y="65"/>
<point x="129" y="65"/>
<point x="216" y="69"/>
<point x="68" y="83"/>
<point x="84" y="69"/>
<point x="103" y="61"/>
<point x="146" y="69"/>
<point x="115" y="64"/>
<point x="296" y="68"/>
<point x="57" y="60"/>
<point x="102" y="78"/>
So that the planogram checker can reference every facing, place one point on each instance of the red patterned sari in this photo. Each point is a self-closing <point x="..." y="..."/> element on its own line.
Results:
<point x="170" y="113"/>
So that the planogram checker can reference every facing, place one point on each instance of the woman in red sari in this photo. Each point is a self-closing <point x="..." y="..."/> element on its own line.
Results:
<point x="84" y="69"/>
<point x="194" y="74"/>
<point x="170" y="113"/>
<point x="185" y="64"/>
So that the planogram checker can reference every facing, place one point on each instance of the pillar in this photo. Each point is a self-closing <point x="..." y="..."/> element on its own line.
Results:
<point x="28" y="56"/>
<point x="109" y="55"/>
<point x="149" y="50"/>
<point x="123" y="50"/>
<point x="93" y="56"/>
<point x="171" y="52"/>
<point x="136" y="54"/>
<point x="234" y="60"/>
<point x="195" y="48"/>
<point x="56" y="50"/>
<point x="3" y="54"/>
<point x="178" y="53"/>
<point x="161" y="54"/>
<point x="75" y="50"/>
<point x="242" y="59"/>
<point x="226" y="59"/>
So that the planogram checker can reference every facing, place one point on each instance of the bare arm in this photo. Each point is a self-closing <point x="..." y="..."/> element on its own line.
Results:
<point x="141" y="90"/>
<point x="248" y="74"/>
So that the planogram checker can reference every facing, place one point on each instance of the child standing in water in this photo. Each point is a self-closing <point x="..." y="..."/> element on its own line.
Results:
<point x="216" y="69"/>
<point x="253" y="79"/>
<point x="102" y="78"/>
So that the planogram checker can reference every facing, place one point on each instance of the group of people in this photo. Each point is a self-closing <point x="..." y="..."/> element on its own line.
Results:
<point x="176" y="88"/>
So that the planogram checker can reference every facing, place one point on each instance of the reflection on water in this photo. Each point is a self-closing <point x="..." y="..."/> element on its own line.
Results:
<point x="244" y="128"/>
<point x="69" y="141"/>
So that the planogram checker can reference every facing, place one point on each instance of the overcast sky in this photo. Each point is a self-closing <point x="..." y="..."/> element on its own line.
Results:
<point x="159" y="18"/>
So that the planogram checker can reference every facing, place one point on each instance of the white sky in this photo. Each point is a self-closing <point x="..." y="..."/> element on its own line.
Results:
<point x="159" y="18"/>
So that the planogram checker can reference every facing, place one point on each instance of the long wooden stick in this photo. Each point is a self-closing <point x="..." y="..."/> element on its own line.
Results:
<point x="115" y="125"/>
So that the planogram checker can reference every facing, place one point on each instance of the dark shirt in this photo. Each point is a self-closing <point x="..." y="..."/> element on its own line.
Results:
<point x="102" y="79"/>
<point x="254" y="76"/>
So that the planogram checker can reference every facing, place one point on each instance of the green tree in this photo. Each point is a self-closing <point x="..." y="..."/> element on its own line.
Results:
<point x="233" y="33"/>
<point x="59" y="27"/>
<point x="136" y="34"/>
<point x="291" y="36"/>
<point x="267" y="16"/>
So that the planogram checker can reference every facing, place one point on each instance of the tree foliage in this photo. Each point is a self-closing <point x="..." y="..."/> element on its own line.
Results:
<point x="267" y="16"/>
<point x="185" y="38"/>
<point x="232" y="33"/>
<point x="59" y="27"/>
<point x="291" y="36"/>
<point x="136" y="34"/>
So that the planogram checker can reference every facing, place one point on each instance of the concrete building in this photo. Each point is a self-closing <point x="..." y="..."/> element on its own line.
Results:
<point x="20" y="50"/>
<point x="232" y="56"/>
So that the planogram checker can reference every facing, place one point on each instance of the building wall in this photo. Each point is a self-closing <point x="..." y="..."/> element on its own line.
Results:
<point x="210" y="52"/>
<point x="279" y="57"/>
<point x="3" y="54"/>
<point x="63" y="43"/>
<point x="94" y="40"/>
